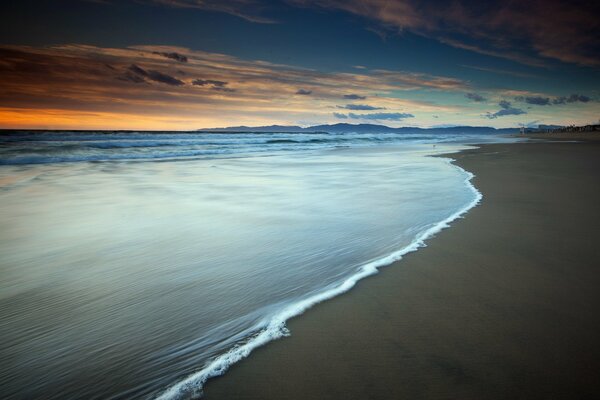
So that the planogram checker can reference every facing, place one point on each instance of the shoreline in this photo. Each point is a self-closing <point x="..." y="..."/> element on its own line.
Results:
<point x="277" y="327"/>
<point x="354" y="345"/>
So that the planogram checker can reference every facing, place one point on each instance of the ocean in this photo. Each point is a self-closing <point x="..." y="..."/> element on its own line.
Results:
<point x="139" y="265"/>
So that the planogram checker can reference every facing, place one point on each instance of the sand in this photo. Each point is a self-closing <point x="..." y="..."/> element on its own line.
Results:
<point x="564" y="136"/>
<point x="504" y="304"/>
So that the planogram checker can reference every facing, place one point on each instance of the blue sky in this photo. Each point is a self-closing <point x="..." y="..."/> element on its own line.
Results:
<point x="409" y="63"/>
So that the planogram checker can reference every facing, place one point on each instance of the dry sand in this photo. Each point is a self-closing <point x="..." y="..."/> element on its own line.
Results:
<point x="505" y="304"/>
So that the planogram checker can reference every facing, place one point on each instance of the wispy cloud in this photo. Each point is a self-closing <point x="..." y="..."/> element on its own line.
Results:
<point x="526" y="32"/>
<point x="413" y="80"/>
<point x="376" y="116"/>
<point x="501" y="71"/>
<point x="208" y="88"/>
<point x="304" y="92"/>
<point x="172" y="56"/>
<point x="361" y="107"/>
<point x="250" y="10"/>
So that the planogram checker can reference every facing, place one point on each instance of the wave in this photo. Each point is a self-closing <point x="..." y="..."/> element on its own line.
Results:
<point x="60" y="147"/>
<point x="275" y="327"/>
<point x="275" y="141"/>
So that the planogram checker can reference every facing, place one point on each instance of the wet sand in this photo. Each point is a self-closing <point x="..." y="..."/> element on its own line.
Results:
<point x="593" y="136"/>
<point x="505" y="304"/>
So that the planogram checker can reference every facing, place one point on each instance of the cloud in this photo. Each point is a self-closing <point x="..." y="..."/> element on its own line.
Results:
<point x="574" y="98"/>
<point x="213" y="84"/>
<point x="535" y="100"/>
<point x="354" y="97"/>
<point x="360" y="107"/>
<point x="164" y="78"/>
<point x="137" y="70"/>
<point x="155" y="76"/>
<point x="304" y="92"/>
<point x="506" y="109"/>
<point x="475" y="97"/>
<point x="413" y="80"/>
<point x="223" y="89"/>
<point x="545" y="101"/>
<point x="71" y="80"/>
<point x="376" y="116"/>
<point x="220" y="86"/>
<point x="500" y="71"/>
<point x="250" y="10"/>
<point x="505" y="53"/>
<point x="172" y="56"/>
<point x="133" y="74"/>
<point x="526" y="32"/>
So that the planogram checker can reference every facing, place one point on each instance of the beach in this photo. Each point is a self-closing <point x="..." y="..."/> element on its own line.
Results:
<point x="148" y="256"/>
<point x="501" y="305"/>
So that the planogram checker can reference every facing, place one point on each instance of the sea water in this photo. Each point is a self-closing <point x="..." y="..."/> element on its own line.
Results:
<point x="138" y="265"/>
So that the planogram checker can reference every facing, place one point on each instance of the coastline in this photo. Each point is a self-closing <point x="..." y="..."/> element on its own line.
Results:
<point x="193" y="384"/>
<point x="501" y="305"/>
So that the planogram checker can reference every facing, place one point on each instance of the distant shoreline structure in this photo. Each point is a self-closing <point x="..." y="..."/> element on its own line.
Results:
<point x="563" y="129"/>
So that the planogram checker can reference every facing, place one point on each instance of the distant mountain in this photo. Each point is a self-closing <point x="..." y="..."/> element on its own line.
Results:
<point x="263" y="129"/>
<point x="360" y="128"/>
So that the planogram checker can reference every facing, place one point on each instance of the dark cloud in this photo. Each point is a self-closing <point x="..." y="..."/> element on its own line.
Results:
<point x="574" y="98"/>
<point x="172" y="56"/>
<point x="354" y="97"/>
<point x="154" y="76"/>
<point x="506" y="109"/>
<point x="304" y="92"/>
<point x="223" y="89"/>
<point x="204" y="82"/>
<point x="475" y="97"/>
<point x="376" y="116"/>
<point x="164" y="78"/>
<point x="137" y="70"/>
<point x="535" y="100"/>
<point x="524" y="31"/>
<point x="220" y="86"/>
<point x="360" y="107"/>
<point x="505" y="104"/>
<point x="545" y="101"/>
<point x="131" y="77"/>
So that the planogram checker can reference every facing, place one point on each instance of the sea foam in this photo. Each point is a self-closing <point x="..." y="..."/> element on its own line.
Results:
<point x="276" y="327"/>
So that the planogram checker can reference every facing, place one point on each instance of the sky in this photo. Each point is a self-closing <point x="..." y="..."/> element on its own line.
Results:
<point x="190" y="64"/>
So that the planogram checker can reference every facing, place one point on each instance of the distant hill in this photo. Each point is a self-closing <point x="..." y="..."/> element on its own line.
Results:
<point x="360" y="128"/>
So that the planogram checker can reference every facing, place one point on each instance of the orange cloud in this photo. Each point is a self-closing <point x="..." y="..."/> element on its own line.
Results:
<point x="63" y="86"/>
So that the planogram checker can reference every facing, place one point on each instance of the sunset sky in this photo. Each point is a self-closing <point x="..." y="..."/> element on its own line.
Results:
<point x="189" y="64"/>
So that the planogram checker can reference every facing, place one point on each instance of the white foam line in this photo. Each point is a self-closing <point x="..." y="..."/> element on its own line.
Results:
<point x="276" y="328"/>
